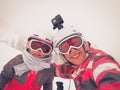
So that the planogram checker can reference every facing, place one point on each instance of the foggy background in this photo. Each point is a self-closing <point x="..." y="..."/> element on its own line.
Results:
<point x="98" y="20"/>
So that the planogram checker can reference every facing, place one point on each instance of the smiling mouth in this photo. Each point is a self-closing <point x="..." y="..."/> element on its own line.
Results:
<point x="75" y="56"/>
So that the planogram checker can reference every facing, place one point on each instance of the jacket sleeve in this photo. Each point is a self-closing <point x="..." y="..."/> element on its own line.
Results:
<point x="6" y="75"/>
<point x="107" y="75"/>
<point x="110" y="81"/>
<point x="63" y="70"/>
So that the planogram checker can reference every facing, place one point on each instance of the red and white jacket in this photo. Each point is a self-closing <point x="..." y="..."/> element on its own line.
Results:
<point x="98" y="72"/>
<point x="30" y="80"/>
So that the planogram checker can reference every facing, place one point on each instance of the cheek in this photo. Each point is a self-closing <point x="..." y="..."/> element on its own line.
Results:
<point x="67" y="57"/>
<point x="32" y="52"/>
<point x="36" y="52"/>
<point x="82" y="54"/>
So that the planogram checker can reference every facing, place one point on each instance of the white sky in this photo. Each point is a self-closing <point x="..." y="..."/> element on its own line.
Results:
<point x="98" y="20"/>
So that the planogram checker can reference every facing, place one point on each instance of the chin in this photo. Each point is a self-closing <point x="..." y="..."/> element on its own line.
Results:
<point x="78" y="64"/>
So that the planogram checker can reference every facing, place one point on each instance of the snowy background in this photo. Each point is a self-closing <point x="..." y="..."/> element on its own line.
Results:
<point x="98" y="20"/>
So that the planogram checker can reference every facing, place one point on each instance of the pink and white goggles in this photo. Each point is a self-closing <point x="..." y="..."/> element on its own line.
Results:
<point x="65" y="45"/>
<point x="40" y="45"/>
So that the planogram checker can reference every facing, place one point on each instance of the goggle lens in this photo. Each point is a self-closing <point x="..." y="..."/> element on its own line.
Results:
<point x="36" y="45"/>
<point x="72" y="42"/>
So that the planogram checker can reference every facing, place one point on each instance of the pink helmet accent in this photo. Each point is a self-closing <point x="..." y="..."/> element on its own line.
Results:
<point x="36" y="37"/>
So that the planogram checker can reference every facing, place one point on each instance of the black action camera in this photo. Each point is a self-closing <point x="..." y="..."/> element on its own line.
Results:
<point x="57" y="22"/>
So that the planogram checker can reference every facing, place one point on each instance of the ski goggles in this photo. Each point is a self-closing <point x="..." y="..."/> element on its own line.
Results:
<point x="68" y="43"/>
<point x="40" y="45"/>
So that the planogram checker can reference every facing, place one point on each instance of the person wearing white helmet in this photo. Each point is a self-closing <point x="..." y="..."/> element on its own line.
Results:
<point x="32" y="69"/>
<point x="90" y="68"/>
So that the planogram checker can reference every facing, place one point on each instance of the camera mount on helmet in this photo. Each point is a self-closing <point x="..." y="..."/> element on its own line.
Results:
<point x="57" y="22"/>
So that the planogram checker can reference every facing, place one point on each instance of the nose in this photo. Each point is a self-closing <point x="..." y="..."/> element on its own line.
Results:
<point x="73" y="49"/>
<point x="39" y="51"/>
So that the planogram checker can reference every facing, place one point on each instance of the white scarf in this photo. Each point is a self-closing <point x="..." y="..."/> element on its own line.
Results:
<point x="32" y="63"/>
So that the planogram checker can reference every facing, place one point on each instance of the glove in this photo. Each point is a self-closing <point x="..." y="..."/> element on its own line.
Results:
<point x="66" y="71"/>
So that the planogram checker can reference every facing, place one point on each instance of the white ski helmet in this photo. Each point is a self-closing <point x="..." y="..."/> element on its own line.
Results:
<point x="62" y="34"/>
